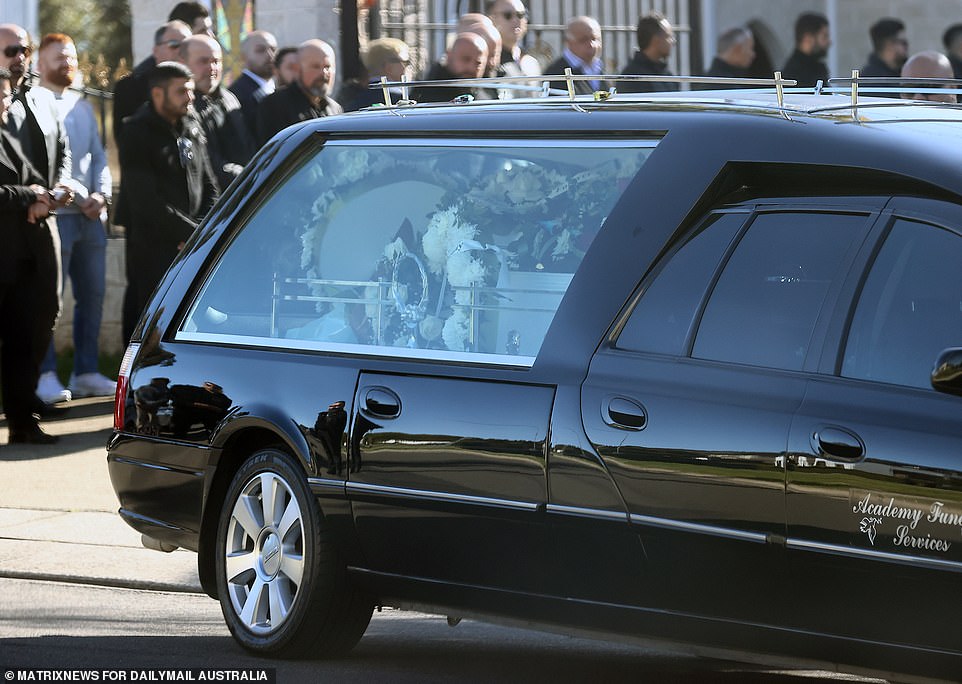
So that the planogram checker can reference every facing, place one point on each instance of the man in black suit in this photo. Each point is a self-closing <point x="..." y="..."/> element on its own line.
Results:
<point x="229" y="143"/>
<point x="132" y="90"/>
<point x="29" y="292"/>
<point x="890" y="50"/>
<point x="466" y="58"/>
<point x="256" y="81"/>
<point x="168" y="180"/>
<point x="582" y="54"/>
<point x="735" y="54"/>
<point x="306" y="98"/>
<point x="33" y="117"/>
<point x="812" y="41"/>
<point x="656" y="42"/>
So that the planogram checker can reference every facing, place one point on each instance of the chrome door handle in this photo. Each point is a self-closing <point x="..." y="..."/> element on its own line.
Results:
<point x="382" y="402"/>
<point x="838" y="444"/>
<point x="625" y="414"/>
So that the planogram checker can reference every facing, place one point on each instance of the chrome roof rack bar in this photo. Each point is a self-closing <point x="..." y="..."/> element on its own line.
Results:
<point x="570" y="83"/>
<point x="779" y="92"/>
<point x="568" y="79"/>
<point x="887" y="85"/>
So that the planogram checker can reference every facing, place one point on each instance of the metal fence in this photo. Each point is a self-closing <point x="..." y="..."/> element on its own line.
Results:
<point x="424" y="25"/>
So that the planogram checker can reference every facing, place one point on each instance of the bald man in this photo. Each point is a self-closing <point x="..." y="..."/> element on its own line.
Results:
<point x="929" y="64"/>
<point x="582" y="54"/>
<point x="33" y="117"/>
<point x="229" y="142"/>
<point x="475" y="22"/>
<point x="132" y="90"/>
<point x="466" y="58"/>
<point x="306" y="98"/>
<point x="257" y="80"/>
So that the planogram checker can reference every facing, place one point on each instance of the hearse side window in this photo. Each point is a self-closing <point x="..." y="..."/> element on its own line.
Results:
<point x="910" y="308"/>
<point x="763" y="309"/>
<point x="662" y="319"/>
<point x="444" y="250"/>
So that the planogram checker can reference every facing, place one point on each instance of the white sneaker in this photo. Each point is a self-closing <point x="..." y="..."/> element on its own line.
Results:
<point x="49" y="389"/>
<point x="92" y="385"/>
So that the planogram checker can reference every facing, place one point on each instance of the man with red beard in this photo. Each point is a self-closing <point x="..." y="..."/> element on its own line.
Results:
<point x="83" y="242"/>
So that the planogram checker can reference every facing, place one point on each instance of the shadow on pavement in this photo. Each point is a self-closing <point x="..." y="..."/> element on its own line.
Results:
<point x="81" y="424"/>
<point x="387" y="658"/>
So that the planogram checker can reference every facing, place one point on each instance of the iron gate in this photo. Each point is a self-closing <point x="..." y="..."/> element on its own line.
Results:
<point x="424" y="25"/>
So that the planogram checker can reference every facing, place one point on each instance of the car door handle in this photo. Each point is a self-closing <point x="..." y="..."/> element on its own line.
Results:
<point x="838" y="444"/>
<point x="625" y="414"/>
<point x="382" y="402"/>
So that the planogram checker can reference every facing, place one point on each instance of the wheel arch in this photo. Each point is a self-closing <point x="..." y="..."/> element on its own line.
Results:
<point x="238" y="439"/>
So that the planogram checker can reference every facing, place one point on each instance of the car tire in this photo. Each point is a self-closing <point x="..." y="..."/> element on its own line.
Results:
<point x="281" y="580"/>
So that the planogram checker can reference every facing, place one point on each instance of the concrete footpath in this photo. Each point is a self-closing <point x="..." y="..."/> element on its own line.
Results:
<point x="58" y="511"/>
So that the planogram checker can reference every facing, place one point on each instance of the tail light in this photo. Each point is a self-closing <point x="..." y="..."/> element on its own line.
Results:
<point x="123" y="384"/>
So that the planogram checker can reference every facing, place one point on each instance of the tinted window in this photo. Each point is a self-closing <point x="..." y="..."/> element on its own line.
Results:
<point x="442" y="249"/>
<point x="910" y="308"/>
<point x="663" y="316"/>
<point x="764" y="307"/>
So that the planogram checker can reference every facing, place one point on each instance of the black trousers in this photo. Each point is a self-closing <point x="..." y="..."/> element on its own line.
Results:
<point x="29" y="305"/>
<point x="147" y="260"/>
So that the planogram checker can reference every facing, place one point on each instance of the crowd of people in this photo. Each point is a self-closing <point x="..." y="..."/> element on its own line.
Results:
<point x="183" y="135"/>
<point x="889" y="58"/>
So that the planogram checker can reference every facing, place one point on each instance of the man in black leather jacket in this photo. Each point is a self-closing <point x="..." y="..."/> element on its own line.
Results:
<point x="168" y="179"/>
<point x="229" y="142"/>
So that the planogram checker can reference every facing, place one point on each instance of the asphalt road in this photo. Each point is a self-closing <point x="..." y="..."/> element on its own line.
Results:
<point x="77" y="590"/>
<point x="54" y="625"/>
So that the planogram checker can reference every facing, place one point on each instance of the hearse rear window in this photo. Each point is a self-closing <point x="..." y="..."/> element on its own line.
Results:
<point x="443" y="250"/>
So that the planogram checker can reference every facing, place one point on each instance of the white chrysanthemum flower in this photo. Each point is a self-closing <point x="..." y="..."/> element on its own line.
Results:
<point x="460" y="232"/>
<point x="322" y="204"/>
<point x="434" y="241"/>
<point x="464" y="270"/>
<point x="462" y="297"/>
<point x="307" y="247"/>
<point x="455" y="331"/>
<point x="445" y="232"/>
<point x="352" y="165"/>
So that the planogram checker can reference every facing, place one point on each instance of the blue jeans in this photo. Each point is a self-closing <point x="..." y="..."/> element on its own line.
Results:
<point x="83" y="250"/>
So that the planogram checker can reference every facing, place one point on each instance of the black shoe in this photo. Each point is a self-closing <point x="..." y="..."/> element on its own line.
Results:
<point x="32" y="435"/>
<point x="49" y="410"/>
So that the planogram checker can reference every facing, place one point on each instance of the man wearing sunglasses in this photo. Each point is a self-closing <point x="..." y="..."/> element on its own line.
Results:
<point x="132" y="90"/>
<point x="28" y="281"/>
<point x="511" y="19"/>
<point x="33" y="117"/>
<point x="168" y="181"/>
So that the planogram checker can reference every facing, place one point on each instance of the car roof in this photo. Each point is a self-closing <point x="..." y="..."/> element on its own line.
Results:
<point x="916" y="139"/>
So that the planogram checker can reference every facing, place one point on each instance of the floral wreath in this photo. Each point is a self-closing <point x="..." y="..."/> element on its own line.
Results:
<point x="526" y="217"/>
